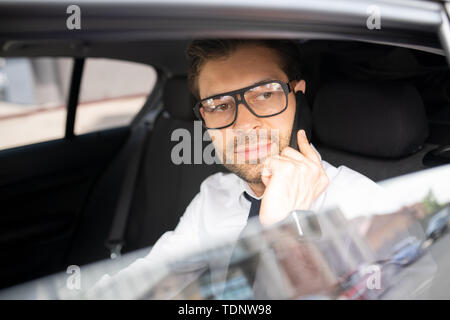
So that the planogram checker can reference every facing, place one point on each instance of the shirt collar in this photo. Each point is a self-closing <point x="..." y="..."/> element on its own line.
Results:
<point x="246" y="188"/>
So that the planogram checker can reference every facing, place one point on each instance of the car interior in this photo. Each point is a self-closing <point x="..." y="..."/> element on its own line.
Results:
<point x="381" y="110"/>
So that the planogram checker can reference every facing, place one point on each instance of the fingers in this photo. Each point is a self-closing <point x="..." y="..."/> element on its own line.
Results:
<point x="280" y="163"/>
<point x="266" y="174"/>
<point x="293" y="154"/>
<point x="305" y="148"/>
<point x="272" y="162"/>
<point x="306" y="159"/>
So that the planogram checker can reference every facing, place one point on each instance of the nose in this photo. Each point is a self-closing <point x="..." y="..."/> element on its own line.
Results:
<point x="245" y="120"/>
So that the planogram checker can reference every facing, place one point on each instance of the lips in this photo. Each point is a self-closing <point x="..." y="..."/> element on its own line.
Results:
<point x="252" y="148"/>
<point x="254" y="151"/>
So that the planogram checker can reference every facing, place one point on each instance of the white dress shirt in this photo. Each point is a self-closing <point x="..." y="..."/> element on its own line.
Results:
<point x="219" y="212"/>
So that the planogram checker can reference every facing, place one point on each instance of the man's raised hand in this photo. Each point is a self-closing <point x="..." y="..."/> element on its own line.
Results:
<point x="293" y="180"/>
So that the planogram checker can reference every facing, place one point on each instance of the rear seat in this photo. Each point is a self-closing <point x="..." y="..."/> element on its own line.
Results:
<point x="376" y="128"/>
<point x="164" y="189"/>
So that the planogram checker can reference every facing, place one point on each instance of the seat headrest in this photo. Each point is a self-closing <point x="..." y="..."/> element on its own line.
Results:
<point x="382" y="119"/>
<point x="177" y="98"/>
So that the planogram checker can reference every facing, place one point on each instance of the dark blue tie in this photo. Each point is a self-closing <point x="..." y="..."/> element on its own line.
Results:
<point x="254" y="211"/>
<point x="255" y="205"/>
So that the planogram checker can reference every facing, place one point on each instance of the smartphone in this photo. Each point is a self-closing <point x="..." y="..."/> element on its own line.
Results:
<point x="302" y="119"/>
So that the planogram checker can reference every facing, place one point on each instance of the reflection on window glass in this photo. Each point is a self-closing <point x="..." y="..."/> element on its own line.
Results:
<point x="112" y="92"/>
<point x="33" y="94"/>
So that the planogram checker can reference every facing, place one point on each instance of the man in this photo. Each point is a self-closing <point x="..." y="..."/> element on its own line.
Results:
<point x="283" y="178"/>
<point x="247" y="89"/>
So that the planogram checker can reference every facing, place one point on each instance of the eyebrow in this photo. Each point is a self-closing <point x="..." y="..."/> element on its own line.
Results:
<point x="253" y="84"/>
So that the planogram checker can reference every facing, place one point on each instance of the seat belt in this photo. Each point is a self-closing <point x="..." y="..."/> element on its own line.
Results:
<point x="132" y="152"/>
<point x="133" y="149"/>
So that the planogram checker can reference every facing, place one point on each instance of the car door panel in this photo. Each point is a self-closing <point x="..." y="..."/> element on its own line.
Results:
<point x="43" y="190"/>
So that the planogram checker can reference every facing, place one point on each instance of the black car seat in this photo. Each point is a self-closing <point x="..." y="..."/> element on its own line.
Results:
<point x="376" y="128"/>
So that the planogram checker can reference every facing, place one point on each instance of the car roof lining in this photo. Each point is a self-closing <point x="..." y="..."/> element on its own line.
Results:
<point x="167" y="55"/>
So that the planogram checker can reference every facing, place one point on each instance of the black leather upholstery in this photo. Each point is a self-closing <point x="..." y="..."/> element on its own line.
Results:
<point x="378" y="119"/>
<point x="178" y="100"/>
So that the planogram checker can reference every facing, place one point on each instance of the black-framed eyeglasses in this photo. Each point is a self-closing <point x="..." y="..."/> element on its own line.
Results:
<point x="265" y="99"/>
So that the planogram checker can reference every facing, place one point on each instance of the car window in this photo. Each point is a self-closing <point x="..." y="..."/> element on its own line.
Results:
<point x="33" y="95"/>
<point x="399" y="259"/>
<point x="111" y="93"/>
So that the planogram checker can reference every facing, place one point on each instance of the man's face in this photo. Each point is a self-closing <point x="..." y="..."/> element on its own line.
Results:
<point x="250" y="138"/>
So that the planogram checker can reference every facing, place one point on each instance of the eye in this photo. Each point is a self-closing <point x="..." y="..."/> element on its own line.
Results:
<point x="264" y="96"/>
<point x="219" y="108"/>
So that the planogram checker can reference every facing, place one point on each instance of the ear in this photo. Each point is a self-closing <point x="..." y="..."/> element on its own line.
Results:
<point x="300" y="86"/>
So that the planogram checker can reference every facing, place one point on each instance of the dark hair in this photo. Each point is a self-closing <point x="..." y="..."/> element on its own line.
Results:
<point x="199" y="51"/>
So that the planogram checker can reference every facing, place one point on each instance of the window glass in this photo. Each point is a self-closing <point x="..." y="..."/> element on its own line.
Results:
<point x="111" y="94"/>
<point x="33" y="95"/>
